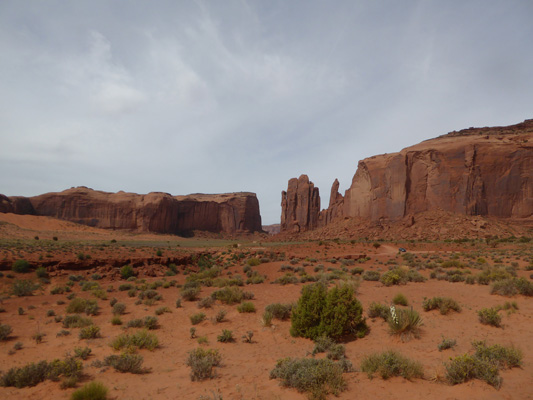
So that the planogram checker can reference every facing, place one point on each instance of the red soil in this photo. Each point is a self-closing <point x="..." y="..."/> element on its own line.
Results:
<point x="245" y="369"/>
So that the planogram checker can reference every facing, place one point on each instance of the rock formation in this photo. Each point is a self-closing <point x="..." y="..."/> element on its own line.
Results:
<point x="336" y="206"/>
<point x="300" y="206"/>
<point x="477" y="171"/>
<point x="153" y="212"/>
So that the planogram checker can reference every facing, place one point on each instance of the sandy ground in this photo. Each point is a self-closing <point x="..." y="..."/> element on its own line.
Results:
<point x="244" y="373"/>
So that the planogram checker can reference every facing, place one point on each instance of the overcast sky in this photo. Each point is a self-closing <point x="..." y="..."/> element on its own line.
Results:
<point x="226" y="96"/>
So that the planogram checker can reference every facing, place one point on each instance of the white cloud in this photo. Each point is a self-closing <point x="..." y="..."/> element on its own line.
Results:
<point x="116" y="98"/>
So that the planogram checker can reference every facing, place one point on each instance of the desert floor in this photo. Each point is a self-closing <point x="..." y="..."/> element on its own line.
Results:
<point x="244" y="372"/>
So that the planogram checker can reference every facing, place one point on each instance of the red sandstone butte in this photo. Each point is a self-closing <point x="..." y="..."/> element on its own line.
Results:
<point x="153" y="212"/>
<point x="477" y="171"/>
<point x="300" y="206"/>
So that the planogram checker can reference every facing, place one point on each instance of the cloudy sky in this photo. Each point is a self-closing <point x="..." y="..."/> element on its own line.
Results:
<point x="225" y="96"/>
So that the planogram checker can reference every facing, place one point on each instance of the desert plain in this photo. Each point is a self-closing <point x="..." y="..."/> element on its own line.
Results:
<point x="86" y="263"/>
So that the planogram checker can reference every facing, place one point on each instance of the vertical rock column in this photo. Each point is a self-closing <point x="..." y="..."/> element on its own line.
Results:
<point x="300" y="205"/>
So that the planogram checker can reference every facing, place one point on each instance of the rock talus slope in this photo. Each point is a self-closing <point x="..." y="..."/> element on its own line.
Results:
<point x="153" y="212"/>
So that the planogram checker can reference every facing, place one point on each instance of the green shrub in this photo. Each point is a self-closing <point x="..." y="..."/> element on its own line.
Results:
<point x="23" y="287"/>
<point x="86" y="286"/>
<point x="197" y="318"/>
<point x="116" y="320"/>
<point x="135" y="323"/>
<point x="280" y="311"/>
<point x="503" y="357"/>
<point x="59" y="290"/>
<point x="206" y="302"/>
<point x="141" y="339"/>
<point x="126" y="362"/>
<point x="252" y="262"/>
<point x="148" y="294"/>
<point x="266" y="319"/>
<point x="467" y="367"/>
<point x="5" y="331"/>
<point x="127" y="271"/>
<point x="335" y="351"/>
<point x="400" y="276"/>
<point x="405" y="323"/>
<point x="226" y="336"/>
<point x="377" y="310"/>
<point x="150" y="322"/>
<point x="446" y="344"/>
<point x="202" y="363"/>
<point x="484" y="364"/>
<point x="220" y="316"/>
<point x="231" y="295"/>
<point x="91" y="391"/>
<point x="119" y="308"/>
<point x="316" y="377"/>
<point x="38" y="337"/>
<point x="512" y="286"/>
<point x="246" y="307"/>
<point x="123" y="287"/>
<point x="21" y="266"/>
<point x="371" y="276"/>
<point x="162" y="310"/>
<point x="190" y="294"/>
<point x="287" y="279"/>
<point x="34" y="373"/>
<point x="444" y="304"/>
<point x="391" y="363"/>
<point x="489" y="316"/>
<point x="255" y="278"/>
<point x="41" y="272"/>
<point x="322" y="312"/>
<point x="79" y="305"/>
<point x="76" y="321"/>
<point x="90" y="332"/>
<point x="493" y="274"/>
<point x="82" y="352"/>
<point x="400" y="299"/>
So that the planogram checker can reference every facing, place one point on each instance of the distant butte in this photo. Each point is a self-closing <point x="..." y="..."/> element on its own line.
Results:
<point x="233" y="213"/>
<point x="485" y="172"/>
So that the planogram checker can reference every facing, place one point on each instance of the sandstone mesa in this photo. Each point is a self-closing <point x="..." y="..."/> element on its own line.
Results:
<point x="232" y="213"/>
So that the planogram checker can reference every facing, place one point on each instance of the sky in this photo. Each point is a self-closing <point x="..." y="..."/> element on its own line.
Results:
<point x="229" y="96"/>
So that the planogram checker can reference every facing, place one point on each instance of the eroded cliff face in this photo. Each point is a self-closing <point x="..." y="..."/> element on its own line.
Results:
<point x="300" y="206"/>
<point x="477" y="174"/>
<point x="153" y="212"/>
<point x="477" y="171"/>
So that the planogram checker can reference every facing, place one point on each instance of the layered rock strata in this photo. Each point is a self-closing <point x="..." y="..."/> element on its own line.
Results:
<point x="153" y="212"/>
<point x="477" y="171"/>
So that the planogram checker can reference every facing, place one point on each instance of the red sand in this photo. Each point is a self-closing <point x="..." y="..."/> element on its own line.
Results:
<point x="245" y="369"/>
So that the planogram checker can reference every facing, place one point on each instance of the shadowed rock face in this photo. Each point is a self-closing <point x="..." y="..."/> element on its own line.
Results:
<point x="153" y="212"/>
<point x="477" y="171"/>
<point x="300" y="206"/>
